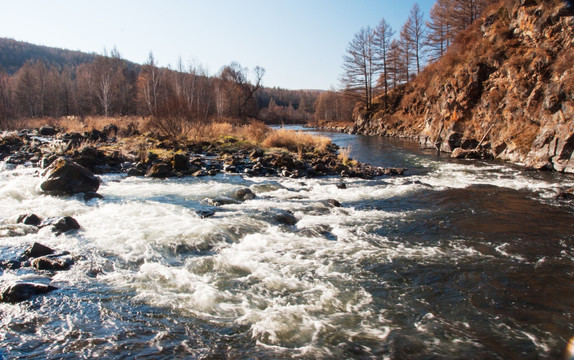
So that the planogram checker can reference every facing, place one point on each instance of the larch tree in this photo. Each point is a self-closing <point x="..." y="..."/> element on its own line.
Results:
<point x="406" y="46"/>
<point x="415" y="35"/>
<point x="395" y="62"/>
<point x="360" y="67"/>
<point x="383" y="38"/>
<point x="463" y="13"/>
<point x="439" y="30"/>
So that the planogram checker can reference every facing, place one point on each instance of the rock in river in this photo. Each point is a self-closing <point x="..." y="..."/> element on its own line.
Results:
<point x="243" y="194"/>
<point x="65" y="177"/>
<point x="37" y="250"/>
<point x="50" y="263"/>
<point x="17" y="292"/>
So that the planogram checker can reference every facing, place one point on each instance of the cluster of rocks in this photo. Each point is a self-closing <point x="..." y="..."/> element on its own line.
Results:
<point x="37" y="257"/>
<point x="203" y="159"/>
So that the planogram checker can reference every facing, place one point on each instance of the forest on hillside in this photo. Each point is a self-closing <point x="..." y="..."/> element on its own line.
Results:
<point x="379" y="59"/>
<point x="38" y="81"/>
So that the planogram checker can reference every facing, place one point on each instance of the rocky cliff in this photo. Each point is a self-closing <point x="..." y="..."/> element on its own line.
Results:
<point x="505" y="90"/>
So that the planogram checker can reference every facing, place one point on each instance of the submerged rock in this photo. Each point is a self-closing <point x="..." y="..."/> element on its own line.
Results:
<point x="243" y="194"/>
<point x="12" y="230"/>
<point x="222" y="200"/>
<point x="65" y="177"/>
<point x="92" y="195"/>
<point x="50" y="263"/>
<point x="204" y="214"/>
<point x="17" y="292"/>
<point x="62" y="224"/>
<point x="135" y="172"/>
<point x="10" y="264"/>
<point x="334" y="203"/>
<point x="285" y="217"/>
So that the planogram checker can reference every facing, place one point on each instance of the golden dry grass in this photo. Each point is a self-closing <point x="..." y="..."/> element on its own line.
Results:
<point x="344" y="154"/>
<point x="254" y="132"/>
<point x="295" y="140"/>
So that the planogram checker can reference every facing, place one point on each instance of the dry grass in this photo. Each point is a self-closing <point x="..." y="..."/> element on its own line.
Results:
<point x="295" y="140"/>
<point x="88" y="123"/>
<point x="344" y="154"/>
<point x="254" y="132"/>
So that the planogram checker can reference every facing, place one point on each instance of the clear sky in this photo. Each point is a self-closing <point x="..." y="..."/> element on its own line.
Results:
<point x="300" y="43"/>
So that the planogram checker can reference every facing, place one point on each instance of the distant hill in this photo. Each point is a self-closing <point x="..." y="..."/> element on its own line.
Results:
<point x="14" y="54"/>
<point x="63" y="93"/>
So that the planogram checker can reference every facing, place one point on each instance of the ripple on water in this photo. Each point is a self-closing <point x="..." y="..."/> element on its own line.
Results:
<point x="439" y="264"/>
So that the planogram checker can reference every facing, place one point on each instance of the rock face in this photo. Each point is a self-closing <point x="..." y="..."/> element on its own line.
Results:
<point x="65" y="177"/>
<point x="506" y="91"/>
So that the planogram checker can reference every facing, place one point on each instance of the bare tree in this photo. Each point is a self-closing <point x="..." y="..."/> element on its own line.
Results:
<point x="464" y="12"/>
<point x="240" y="92"/>
<point x="395" y="63"/>
<point x="440" y="31"/>
<point x="383" y="37"/>
<point x="406" y="46"/>
<point x="27" y="90"/>
<point x="149" y="85"/>
<point x="415" y="34"/>
<point x="5" y="100"/>
<point x="360" y="68"/>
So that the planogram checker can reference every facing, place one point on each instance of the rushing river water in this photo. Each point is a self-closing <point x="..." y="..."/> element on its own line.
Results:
<point x="456" y="259"/>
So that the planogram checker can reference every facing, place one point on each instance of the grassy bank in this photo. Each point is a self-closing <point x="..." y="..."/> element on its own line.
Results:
<point x="254" y="133"/>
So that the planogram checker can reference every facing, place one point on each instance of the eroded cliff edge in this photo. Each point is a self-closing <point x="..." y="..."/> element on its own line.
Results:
<point x="504" y="90"/>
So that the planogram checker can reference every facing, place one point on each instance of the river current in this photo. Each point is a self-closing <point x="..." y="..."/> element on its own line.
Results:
<point x="454" y="260"/>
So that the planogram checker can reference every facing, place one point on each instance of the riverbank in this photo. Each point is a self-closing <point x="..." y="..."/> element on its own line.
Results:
<point x="251" y="150"/>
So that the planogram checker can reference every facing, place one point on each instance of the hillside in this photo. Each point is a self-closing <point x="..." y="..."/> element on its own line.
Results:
<point x="504" y="90"/>
<point x="14" y="54"/>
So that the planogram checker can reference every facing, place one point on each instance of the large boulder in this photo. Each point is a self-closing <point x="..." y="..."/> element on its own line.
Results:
<point x="65" y="177"/>
<point x="16" y="292"/>
<point x="159" y="170"/>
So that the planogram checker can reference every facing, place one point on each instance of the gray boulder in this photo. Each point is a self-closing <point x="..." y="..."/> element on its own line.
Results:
<point x="243" y="194"/>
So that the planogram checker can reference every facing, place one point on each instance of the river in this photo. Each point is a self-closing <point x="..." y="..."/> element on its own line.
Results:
<point x="456" y="259"/>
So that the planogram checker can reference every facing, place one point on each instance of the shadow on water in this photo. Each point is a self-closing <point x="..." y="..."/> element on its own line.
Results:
<point x="511" y="284"/>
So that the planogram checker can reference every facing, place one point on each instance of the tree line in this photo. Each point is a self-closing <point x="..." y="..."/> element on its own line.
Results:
<point x="378" y="59"/>
<point x="110" y="86"/>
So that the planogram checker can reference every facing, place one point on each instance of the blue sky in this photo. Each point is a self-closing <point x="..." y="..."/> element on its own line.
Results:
<point x="300" y="43"/>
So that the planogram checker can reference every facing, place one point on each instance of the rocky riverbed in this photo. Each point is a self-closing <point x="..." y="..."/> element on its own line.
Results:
<point x="154" y="156"/>
<point x="68" y="163"/>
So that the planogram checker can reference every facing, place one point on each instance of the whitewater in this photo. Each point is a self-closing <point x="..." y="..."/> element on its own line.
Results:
<point x="455" y="259"/>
